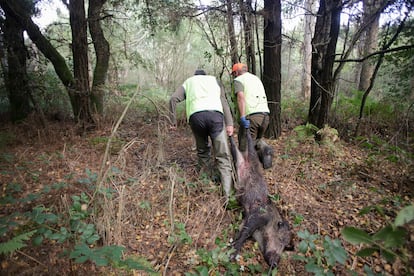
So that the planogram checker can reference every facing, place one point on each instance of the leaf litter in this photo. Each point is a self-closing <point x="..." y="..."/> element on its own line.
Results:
<point x="156" y="188"/>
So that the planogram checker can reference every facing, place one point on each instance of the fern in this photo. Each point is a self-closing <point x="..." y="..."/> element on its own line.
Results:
<point x="306" y="131"/>
<point x="16" y="243"/>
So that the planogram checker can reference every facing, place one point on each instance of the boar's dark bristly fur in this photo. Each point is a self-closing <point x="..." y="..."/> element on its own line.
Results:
<point x="261" y="218"/>
<point x="265" y="153"/>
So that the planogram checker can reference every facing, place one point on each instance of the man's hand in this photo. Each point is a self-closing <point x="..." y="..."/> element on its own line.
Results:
<point x="244" y="122"/>
<point x="229" y="130"/>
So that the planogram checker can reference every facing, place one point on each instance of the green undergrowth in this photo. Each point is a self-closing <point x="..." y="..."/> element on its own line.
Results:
<point x="72" y="229"/>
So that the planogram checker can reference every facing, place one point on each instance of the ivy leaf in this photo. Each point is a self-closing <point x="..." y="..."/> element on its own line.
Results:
<point x="334" y="252"/>
<point x="37" y="240"/>
<point x="356" y="236"/>
<point x="404" y="216"/>
<point x="388" y="255"/>
<point x="300" y="258"/>
<point x="99" y="260"/>
<point x="40" y="217"/>
<point x="80" y="253"/>
<point x="366" y="252"/>
<point x="383" y="233"/>
<point x="391" y="237"/>
<point x="304" y="234"/>
<point x="314" y="268"/>
<point x="303" y="247"/>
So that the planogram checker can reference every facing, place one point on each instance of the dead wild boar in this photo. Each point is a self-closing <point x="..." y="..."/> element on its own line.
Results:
<point x="265" y="153"/>
<point x="261" y="218"/>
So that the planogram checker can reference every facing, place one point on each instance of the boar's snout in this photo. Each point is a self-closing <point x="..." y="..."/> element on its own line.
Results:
<point x="272" y="258"/>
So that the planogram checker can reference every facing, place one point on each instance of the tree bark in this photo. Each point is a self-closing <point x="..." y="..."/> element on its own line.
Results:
<point x="369" y="41"/>
<point x="15" y="74"/>
<point x="323" y="57"/>
<point x="23" y="17"/>
<point x="82" y="107"/>
<point x="309" y="26"/>
<point x="272" y="63"/>
<point x="102" y="53"/>
<point x="247" y="19"/>
<point x="375" y="71"/>
<point x="232" y="36"/>
<point x="78" y="83"/>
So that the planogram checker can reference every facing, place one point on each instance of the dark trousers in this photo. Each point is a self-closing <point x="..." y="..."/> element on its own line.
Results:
<point x="259" y="123"/>
<point x="207" y="124"/>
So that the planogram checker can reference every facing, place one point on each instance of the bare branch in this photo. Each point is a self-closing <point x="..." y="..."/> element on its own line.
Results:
<point x="382" y="52"/>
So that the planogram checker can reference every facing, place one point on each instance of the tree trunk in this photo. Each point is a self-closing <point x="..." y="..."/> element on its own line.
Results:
<point x="411" y="95"/>
<point x="272" y="63"/>
<point x="376" y="69"/>
<point x="77" y="84"/>
<point x="369" y="41"/>
<point x="15" y="76"/>
<point x="102" y="54"/>
<point x="61" y="69"/>
<point x="323" y="56"/>
<point x="309" y="26"/>
<point x="247" y="18"/>
<point x="259" y="51"/>
<point x="232" y="36"/>
<point x="82" y="107"/>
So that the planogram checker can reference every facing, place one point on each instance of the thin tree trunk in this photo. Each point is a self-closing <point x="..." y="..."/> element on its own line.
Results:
<point x="247" y="19"/>
<point x="309" y="26"/>
<point x="351" y="44"/>
<point x="259" y="52"/>
<point x="366" y="93"/>
<point x="411" y="97"/>
<point x="232" y="36"/>
<point x="102" y="54"/>
<point x="376" y="69"/>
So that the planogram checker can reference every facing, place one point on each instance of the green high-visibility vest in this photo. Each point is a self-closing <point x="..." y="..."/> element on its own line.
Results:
<point x="202" y="92"/>
<point x="254" y="93"/>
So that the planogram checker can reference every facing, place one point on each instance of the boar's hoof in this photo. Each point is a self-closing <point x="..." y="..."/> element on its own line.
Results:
<point x="234" y="256"/>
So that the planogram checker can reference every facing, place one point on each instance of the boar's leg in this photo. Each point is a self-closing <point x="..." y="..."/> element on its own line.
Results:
<point x="251" y="147"/>
<point x="251" y="223"/>
<point x="237" y="156"/>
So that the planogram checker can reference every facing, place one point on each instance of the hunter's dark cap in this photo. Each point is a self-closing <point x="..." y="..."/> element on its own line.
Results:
<point x="200" y="72"/>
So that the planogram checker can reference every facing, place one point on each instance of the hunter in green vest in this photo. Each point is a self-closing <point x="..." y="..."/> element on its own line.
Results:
<point x="208" y="114"/>
<point x="252" y="104"/>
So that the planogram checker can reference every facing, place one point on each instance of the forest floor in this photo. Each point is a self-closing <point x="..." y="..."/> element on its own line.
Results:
<point x="150" y="179"/>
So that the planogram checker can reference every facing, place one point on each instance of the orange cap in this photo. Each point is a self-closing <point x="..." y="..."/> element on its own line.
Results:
<point x="239" y="67"/>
